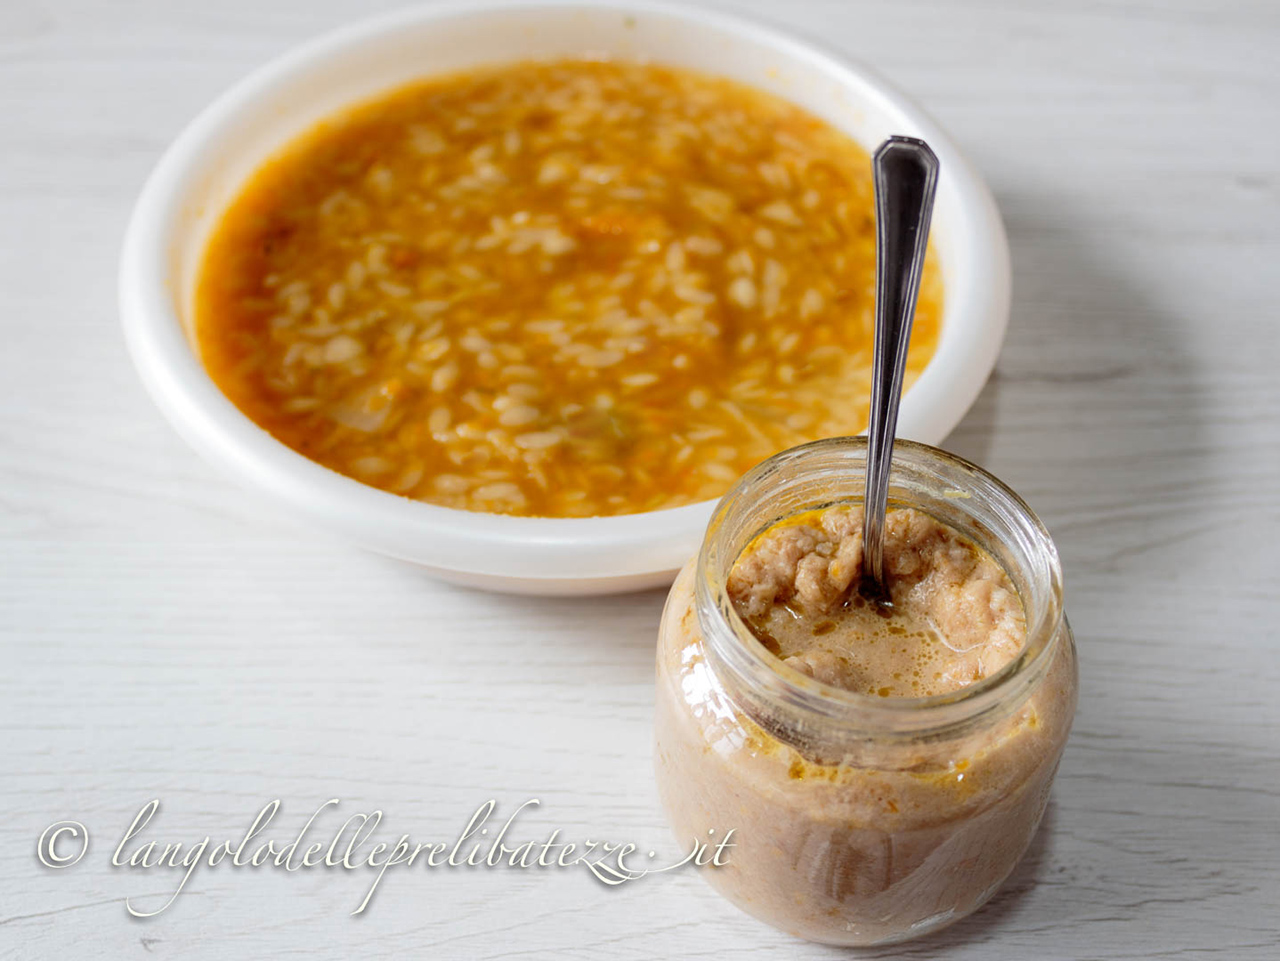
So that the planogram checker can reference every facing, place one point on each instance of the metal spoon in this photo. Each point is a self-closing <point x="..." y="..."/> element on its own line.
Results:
<point x="905" y="171"/>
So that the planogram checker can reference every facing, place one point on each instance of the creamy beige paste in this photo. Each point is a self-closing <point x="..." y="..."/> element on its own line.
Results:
<point x="885" y="839"/>
<point x="952" y="616"/>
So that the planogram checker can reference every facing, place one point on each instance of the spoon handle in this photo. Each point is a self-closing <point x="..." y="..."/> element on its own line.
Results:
<point x="905" y="172"/>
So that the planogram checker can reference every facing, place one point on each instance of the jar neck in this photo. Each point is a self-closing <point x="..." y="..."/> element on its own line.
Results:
<point x="821" y="720"/>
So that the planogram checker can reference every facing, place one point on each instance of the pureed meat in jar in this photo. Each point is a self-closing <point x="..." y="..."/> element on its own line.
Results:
<point x="883" y="771"/>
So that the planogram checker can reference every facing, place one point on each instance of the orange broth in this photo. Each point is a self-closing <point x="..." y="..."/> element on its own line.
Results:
<point x="553" y="289"/>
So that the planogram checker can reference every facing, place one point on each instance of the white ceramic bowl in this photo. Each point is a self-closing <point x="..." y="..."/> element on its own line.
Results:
<point x="204" y="168"/>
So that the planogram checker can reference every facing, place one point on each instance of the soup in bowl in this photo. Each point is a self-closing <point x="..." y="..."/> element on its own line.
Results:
<point x="516" y="292"/>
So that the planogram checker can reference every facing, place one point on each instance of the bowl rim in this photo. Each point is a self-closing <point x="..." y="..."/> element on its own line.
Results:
<point x="534" y="548"/>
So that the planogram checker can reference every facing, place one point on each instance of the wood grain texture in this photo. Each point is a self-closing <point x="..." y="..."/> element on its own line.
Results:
<point x="165" y="636"/>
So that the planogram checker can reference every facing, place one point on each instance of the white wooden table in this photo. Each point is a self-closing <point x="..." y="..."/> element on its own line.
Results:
<point x="165" y="637"/>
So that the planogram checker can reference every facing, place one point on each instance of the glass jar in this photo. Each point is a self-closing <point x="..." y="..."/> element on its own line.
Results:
<point x="859" y="820"/>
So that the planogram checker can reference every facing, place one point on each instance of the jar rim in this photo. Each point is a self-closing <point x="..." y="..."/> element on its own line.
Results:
<point x="851" y="712"/>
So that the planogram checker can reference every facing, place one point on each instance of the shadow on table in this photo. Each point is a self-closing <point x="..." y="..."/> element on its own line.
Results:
<point x="1087" y="349"/>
